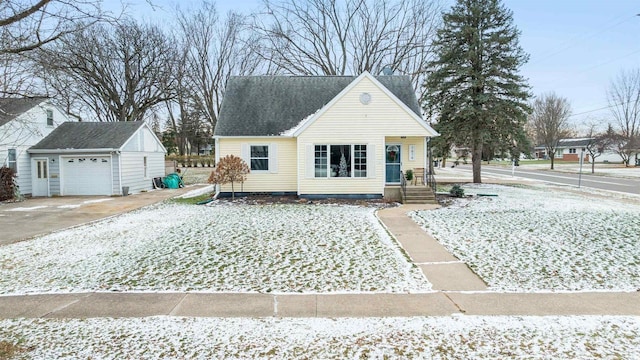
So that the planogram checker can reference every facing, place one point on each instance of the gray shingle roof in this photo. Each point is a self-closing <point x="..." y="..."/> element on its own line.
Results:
<point x="569" y="143"/>
<point x="270" y="105"/>
<point x="89" y="135"/>
<point x="10" y="108"/>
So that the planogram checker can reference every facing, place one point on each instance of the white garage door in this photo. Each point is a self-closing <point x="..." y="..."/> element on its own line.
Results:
<point x="89" y="175"/>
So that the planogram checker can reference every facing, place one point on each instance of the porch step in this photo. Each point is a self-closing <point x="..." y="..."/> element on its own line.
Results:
<point x="419" y="195"/>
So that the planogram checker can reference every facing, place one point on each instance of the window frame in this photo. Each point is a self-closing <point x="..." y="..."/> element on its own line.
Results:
<point x="361" y="160"/>
<point x="145" y="167"/>
<point x="251" y="158"/>
<point x="12" y="164"/>
<point x="49" y="117"/>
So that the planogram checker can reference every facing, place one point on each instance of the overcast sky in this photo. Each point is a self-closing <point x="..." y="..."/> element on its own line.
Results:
<point x="576" y="47"/>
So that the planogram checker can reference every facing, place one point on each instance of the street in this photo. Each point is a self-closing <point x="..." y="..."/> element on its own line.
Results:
<point x="624" y="185"/>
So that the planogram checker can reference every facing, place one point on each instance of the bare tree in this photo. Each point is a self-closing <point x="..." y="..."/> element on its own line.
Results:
<point x="26" y="25"/>
<point x="624" y="101"/>
<point x="331" y="37"/>
<point x="550" y="119"/>
<point x="598" y="143"/>
<point x="117" y="72"/>
<point x="214" y="51"/>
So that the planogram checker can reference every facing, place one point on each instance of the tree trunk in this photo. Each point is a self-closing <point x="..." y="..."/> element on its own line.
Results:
<point x="593" y="165"/>
<point x="553" y="156"/>
<point x="476" y="160"/>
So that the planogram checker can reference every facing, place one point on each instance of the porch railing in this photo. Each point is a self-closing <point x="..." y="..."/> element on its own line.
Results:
<point x="430" y="180"/>
<point x="403" y="185"/>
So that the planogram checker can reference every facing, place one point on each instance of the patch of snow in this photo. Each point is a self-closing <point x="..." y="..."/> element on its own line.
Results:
<point x="302" y="123"/>
<point x="28" y="208"/>
<point x="68" y="206"/>
<point x="540" y="239"/>
<point x="240" y="248"/>
<point x="454" y="337"/>
<point x="94" y="201"/>
<point x="193" y="193"/>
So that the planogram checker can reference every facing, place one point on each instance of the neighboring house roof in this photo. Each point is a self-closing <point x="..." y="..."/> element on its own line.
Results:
<point x="89" y="135"/>
<point x="11" y="108"/>
<point x="569" y="143"/>
<point x="272" y="105"/>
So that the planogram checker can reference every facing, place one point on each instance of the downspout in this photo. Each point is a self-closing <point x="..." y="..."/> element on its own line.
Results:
<point x="216" y="150"/>
<point x="119" y="169"/>
<point x="427" y="161"/>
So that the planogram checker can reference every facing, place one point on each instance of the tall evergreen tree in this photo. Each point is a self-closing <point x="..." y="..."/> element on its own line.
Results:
<point x="473" y="89"/>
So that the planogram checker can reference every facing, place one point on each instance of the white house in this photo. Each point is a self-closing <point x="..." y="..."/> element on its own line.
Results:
<point x="97" y="158"/>
<point x="24" y="122"/>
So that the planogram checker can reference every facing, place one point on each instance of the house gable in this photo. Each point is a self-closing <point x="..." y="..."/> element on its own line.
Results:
<point x="366" y="95"/>
<point x="143" y="140"/>
<point x="257" y="106"/>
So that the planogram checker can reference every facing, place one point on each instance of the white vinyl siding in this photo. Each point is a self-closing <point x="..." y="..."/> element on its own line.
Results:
<point x="133" y="170"/>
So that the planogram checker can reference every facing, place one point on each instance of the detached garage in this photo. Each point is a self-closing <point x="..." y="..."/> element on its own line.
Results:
<point x="82" y="158"/>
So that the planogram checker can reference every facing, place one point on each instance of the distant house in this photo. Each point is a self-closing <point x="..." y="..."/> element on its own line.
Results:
<point x="323" y="136"/>
<point x="569" y="150"/>
<point x="96" y="158"/>
<point x="24" y="122"/>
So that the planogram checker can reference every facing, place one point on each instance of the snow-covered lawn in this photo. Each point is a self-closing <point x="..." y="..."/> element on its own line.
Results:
<point x="220" y="248"/>
<point x="535" y="239"/>
<point x="458" y="337"/>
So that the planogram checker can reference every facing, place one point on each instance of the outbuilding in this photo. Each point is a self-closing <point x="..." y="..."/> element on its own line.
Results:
<point x="96" y="158"/>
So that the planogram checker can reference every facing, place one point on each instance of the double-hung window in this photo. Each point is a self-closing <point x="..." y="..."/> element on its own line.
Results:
<point x="49" y="117"/>
<point x="12" y="160"/>
<point x="259" y="157"/>
<point x="342" y="161"/>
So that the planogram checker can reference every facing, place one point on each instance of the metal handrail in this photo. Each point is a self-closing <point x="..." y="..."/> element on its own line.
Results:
<point x="431" y="181"/>
<point x="403" y="185"/>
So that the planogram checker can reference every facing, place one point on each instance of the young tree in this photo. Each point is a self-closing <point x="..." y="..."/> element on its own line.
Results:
<point x="230" y="169"/>
<point x="624" y="101"/>
<point x="598" y="144"/>
<point x="550" y="119"/>
<point x="473" y="86"/>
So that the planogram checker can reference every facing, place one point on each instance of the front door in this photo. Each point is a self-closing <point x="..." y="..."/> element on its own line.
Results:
<point x="392" y="156"/>
<point x="40" y="176"/>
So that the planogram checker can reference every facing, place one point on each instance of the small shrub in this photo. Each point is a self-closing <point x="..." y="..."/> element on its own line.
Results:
<point x="8" y="186"/>
<point x="456" y="191"/>
<point x="409" y="175"/>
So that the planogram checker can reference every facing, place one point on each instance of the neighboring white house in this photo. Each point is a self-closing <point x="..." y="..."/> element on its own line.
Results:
<point x="323" y="136"/>
<point x="24" y="122"/>
<point x="570" y="149"/>
<point x="97" y="158"/>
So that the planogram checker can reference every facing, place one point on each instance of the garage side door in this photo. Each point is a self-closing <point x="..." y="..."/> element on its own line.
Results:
<point x="90" y="175"/>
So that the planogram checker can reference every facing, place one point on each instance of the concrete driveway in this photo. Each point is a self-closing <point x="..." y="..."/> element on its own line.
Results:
<point x="38" y="216"/>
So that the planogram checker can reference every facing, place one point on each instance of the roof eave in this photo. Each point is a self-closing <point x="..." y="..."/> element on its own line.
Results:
<point x="69" y="151"/>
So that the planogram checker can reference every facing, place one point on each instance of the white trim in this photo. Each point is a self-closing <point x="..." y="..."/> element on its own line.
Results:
<point x="352" y="169"/>
<point x="217" y="137"/>
<point x="384" y="158"/>
<point x="61" y="175"/>
<point x="216" y="143"/>
<point x="268" y="158"/>
<point x="70" y="151"/>
<point x="137" y="132"/>
<point x="347" y="89"/>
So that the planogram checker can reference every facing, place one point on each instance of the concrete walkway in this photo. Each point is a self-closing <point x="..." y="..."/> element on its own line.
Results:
<point x="457" y="290"/>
